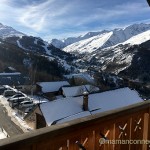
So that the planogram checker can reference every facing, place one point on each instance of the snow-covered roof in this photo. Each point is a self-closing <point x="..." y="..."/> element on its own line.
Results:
<point x="52" y="86"/>
<point x="91" y="88"/>
<point x="10" y="74"/>
<point x="113" y="99"/>
<point x="59" y="109"/>
<point x="72" y="91"/>
<point x="11" y="68"/>
<point x="78" y="90"/>
<point x="76" y="116"/>
<point x="71" y="108"/>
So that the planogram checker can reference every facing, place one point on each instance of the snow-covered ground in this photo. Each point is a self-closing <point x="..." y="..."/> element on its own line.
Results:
<point x="19" y="45"/>
<point x="48" y="52"/>
<point x="14" y="117"/>
<point x="51" y="58"/>
<point x="2" y="134"/>
<point x="64" y="64"/>
<point x="35" y="41"/>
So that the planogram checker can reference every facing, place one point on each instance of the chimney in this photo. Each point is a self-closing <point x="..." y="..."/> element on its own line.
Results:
<point x="85" y="100"/>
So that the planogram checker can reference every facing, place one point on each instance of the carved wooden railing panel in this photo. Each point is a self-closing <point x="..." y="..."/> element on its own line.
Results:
<point x="122" y="132"/>
<point x="103" y="134"/>
<point x="130" y="123"/>
<point x="137" y="129"/>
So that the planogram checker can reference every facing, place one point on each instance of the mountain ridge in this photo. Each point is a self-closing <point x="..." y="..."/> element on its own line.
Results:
<point x="70" y="40"/>
<point x="109" y="53"/>
<point x="36" y="45"/>
<point x="107" y="39"/>
<point x="7" y="31"/>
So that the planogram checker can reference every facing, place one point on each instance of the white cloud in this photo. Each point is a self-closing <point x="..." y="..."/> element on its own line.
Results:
<point x="119" y="11"/>
<point x="34" y="17"/>
<point x="8" y="13"/>
<point x="66" y="18"/>
<point x="44" y="15"/>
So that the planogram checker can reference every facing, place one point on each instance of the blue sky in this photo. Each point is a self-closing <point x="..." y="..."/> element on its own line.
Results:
<point x="63" y="18"/>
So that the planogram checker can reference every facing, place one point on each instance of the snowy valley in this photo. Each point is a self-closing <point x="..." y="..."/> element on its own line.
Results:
<point x="109" y="52"/>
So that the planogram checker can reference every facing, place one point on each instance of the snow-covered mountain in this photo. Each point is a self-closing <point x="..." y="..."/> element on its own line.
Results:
<point x="110" y="51"/>
<point x="107" y="39"/>
<point x="6" y="31"/>
<point x="138" y="39"/>
<point x="30" y="44"/>
<point x="65" y="42"/>
<point x="89" y="45"/>
<point x="36" y="45"/>
<point x="115" y="58"/>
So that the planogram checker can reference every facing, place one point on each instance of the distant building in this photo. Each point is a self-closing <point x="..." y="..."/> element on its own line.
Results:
<point x="70" y="108"/>
<point x="50" y="89"/>
<point x="81" y="78"/>
<point x="13" y="79"/>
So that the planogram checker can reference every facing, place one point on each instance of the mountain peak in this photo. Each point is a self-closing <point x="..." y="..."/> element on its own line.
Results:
<point x="138" y="25"/>
<point x="106" y="38"/>
<point x="7" y="31"/>
<point x="70" y="40"/>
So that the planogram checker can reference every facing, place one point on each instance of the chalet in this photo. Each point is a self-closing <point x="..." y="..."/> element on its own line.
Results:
<point x="50" y="89"/>
<point x="70" y="108"/>
<point x="78" y="90"/>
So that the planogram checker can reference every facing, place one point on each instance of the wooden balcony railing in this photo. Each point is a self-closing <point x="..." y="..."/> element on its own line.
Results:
<point x="128" y="123"/>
